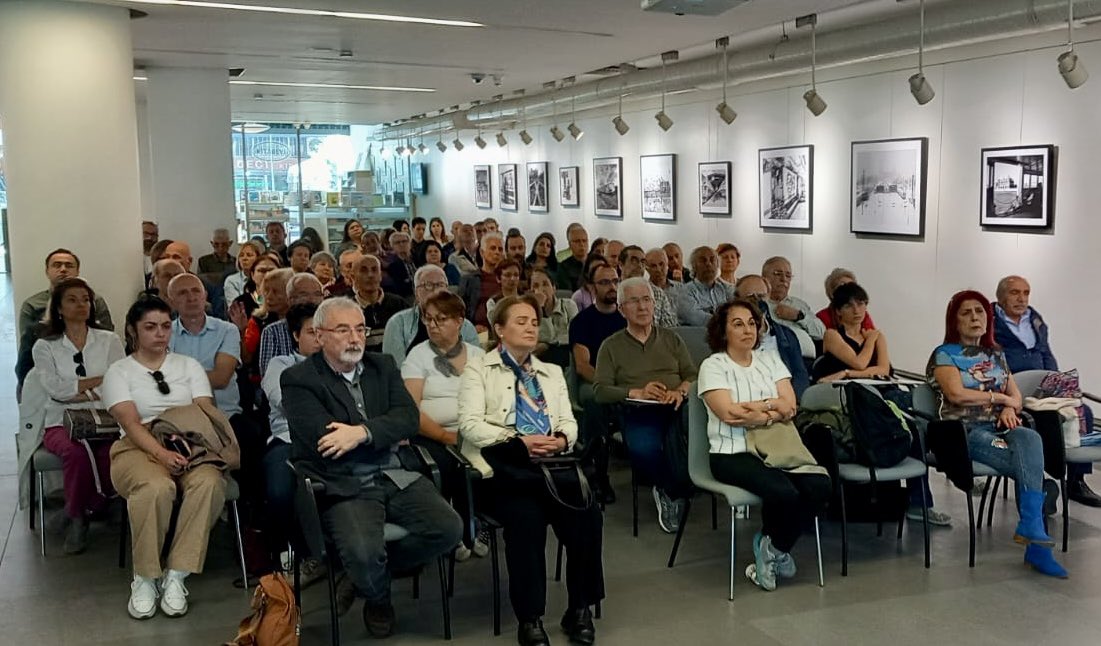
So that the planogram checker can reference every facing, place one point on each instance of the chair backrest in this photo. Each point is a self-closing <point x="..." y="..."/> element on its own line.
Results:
<point x="563" y="293"/>
<point x="925" y="400"/>
<point x="573" y="383"/>
<point x="821" y="397"/>
<point x="309" y="519"/>
<point x="695" y="337"/>
<point x="1028" y="381"/>
<point x="699" y="448"/>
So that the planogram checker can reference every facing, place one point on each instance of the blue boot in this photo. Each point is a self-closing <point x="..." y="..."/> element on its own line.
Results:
<point x="1043" y="561"/>
<point x="1030" y="529"/>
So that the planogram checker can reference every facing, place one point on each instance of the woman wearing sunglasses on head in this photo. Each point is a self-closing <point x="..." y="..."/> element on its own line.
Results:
<point x="148" y="474"/>
<point x="70" y="360"/>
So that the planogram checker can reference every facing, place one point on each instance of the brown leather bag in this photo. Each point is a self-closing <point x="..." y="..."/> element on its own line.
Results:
<point x="275" y="617"/>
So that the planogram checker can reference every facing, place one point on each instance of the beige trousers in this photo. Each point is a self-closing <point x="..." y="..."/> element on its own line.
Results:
<point x="150" y="492"/>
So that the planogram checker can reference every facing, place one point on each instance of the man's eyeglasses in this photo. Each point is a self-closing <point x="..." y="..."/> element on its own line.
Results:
<point x="431" y="287"/>
<point x="782" y="274"/>
<point x="607" y="282"/>
<point x="639" y="299"/>
<point x="162" y="385"/>
<point x="78" y="359"/>
<point x="346" y="330"/>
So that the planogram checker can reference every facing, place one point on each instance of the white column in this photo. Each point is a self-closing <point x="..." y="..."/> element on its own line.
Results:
<point x="190" y="155"/>
<point x="67" y="105"/>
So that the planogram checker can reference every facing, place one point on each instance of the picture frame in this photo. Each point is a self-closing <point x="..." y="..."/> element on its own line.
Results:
<point x="786" y="187"/>
<point x="658" y="184"/>
<point x="1018" y="187"/>
<point x="506" y="187"/>
<point x="569" y="191"/>
<point x="483" y="186"/>
<point x="608" y="186"/>
<point x="714" y="185"/>
<point x="538" y="189"/>
<point x="888" y="187"/>
<point x="418" y="178"/>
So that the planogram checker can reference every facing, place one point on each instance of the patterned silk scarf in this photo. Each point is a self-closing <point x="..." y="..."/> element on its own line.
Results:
<point x="531" y="406"/>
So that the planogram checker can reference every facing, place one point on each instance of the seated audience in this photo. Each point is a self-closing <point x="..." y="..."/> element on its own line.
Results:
<point x="586" y="294"/>
<point x="509" y="273"/>
<point x="555" y="316"/>
<point x="571" y="270"/>
<point x="60" y="264"/>
<point x="974" y="385"/>
<point x="377" y="305"/>
<point x="398" y="278"/>
<point x="164" y="270"/>
<point x="516" y="247"/>
<point x="353" y="235"/>
<point x="729" y="259"/>
<point x="651" y="363"/>
<point x="323" y="265"/>
<point x="299" y="254"/>
<point x="849" y="351"/>
<point x="515" y="403"/>
<point x="431" y="372"/>
<point x="599" y="247"/>
<point x="431" y="253"/>
<point x="451" y="243"/>
<point x="755" y="289"/>
<point x="221" y="262"/>
<point x="276" y="340"/>
<point x="476" y="289"/>
<point x="272" y="310"/>
<point x="543" y="256"/>
<point x="71" y="358"/>
<point x="277" y="241"/>
<point x="313" y="238"/>
<point x="348" y="259"/>
<point x="150" y="235"/>
<point x="408" y="327"/>
<point x="787" y="309"/>
<point x="181" y="253"/>
<point x="678" y="273"/>
<point x="489" y="225"/>
<point x="657" y="267"/>
<point x="1023" y="336"/>
<point x="417" y="231"/>
<point x="632" y="263"/>
<point x="152" y="472"/>
<point x="156" y="252"/>
<point x="612" y="250"/>
<point x="251" y="296"/>
<point x="836" y="278"/>
<point x="746" y="389"/>
<point x="350" y="412"/>
<point x="234" y="284"/>
<point x="371" y="244"/>
<point x="463" y="260"/>
<point x="438" y="232"/>
<point x="698" y="299"/>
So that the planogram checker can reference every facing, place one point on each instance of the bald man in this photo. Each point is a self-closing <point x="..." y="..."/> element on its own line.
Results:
<point x="180" y="251"/>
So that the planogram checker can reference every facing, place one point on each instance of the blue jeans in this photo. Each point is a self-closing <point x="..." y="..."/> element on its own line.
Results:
<point x="645" y="429"/>
<point x="279" y="483"/>
<point x="1017" y="453"/>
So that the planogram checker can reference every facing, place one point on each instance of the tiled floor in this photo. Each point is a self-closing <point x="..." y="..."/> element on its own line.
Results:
<point x="888" y="597"/>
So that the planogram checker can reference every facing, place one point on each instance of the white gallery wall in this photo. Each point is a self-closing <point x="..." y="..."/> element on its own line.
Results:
<point x="985" y="101"/>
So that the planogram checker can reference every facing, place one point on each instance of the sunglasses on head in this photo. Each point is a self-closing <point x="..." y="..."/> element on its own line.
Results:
<point x="162" y="385"/>
<point x="78" y="359"/>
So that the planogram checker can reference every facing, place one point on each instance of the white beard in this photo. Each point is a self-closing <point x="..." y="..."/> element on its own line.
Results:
<point x="352" y="355"/>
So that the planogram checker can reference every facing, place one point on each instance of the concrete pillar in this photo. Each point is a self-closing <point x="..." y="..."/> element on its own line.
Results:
<point x="70" y="136"/>
<point x="190" y="157"/>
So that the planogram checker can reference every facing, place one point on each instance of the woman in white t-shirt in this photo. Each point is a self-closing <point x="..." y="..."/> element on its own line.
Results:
<point x="70" y="360"/>
<point x="147" y="474"/>
<point x="745" y="387"/>
<point x="431" y="371"/>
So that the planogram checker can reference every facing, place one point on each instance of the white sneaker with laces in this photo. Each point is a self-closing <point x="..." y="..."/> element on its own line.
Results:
<point x="462" y="552"/>
<point x="481" y="544"/>
<point x="174" y="594"/>
<point x="143" y="597"/>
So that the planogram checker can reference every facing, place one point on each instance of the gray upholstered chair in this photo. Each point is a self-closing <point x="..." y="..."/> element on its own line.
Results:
<point x="695" y="337"/>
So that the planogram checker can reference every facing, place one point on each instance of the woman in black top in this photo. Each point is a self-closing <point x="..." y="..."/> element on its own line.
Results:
<point x="848" y="350"/>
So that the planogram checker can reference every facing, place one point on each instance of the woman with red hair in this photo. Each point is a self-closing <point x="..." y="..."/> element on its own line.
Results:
<point x="974" y="386"/>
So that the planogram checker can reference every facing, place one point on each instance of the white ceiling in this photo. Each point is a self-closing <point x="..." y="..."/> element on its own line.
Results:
<point x="526" y="42"/>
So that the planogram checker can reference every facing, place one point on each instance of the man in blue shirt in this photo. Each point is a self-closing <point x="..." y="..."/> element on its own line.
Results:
<point x="699" y="298"/>
<point x="1023" y="335"/>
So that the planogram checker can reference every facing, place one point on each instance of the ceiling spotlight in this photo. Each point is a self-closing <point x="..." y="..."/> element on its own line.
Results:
<point x="481" y="143"/>
<point x="726" y="113"/>
<point x="399" y="150"/>
<point x="525" y="137"/>
<point x="557" y="133"/>
<point x="501" y="141"/>
<point x="424" y="149"/>
<point x="620" y="125"/>
<point x="575" y="132"/>
<point x="664" y="121"/>
<point x="458" y="144"/>
<point x="1072" y="70"/>
<point x="383" y="152"/>
<point x="442" y="146"/>
<point x="814" y="102"/>
<point x="919" y="85"/>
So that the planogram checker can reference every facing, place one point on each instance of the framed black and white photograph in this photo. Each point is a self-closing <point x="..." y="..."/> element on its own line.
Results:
<point x="482" y="187"/>
<point x="608" y="186"/>
<point x="888" y="187"/>
<point x="568" y="190"/>
<point x="506" y="183"/>
<point x="1018" y="187"/>
<point x="418" y="178"/>
<point x="786" y="187"/>
<point x="537" y="187"/>
<point x="715" y="188"/>
<point x="658" y="179"/>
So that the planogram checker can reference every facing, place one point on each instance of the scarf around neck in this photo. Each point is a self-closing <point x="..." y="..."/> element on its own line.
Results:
<point x="531" y="405"/>
<point x="443" y="358"/>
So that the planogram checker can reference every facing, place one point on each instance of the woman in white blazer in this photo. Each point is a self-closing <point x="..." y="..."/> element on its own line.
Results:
<point x="512" y="401"/>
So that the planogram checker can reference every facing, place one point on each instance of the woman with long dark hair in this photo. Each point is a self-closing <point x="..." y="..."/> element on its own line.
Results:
<point x="543" y="256"/>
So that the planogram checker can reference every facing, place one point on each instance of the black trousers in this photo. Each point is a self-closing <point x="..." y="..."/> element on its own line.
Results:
<point x="524" y="512"/>
<point x="452" y="476"/>
<point x="789" y="499"/>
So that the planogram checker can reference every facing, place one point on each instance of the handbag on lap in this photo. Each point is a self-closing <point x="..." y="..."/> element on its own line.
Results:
<point x="90" y="424"/>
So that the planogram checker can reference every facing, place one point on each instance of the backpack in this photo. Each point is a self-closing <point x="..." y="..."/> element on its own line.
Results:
<point x="274" y="620"/>
<point x="840" y="426"/>
<point x="881" y="433"/>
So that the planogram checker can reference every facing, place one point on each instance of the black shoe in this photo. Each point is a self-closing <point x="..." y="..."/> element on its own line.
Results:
<point x="1080" y="492"/>
<point x="1051" y="497"/>
<point x="379" y="619"/>
<point x="578" y="625"/>
<point x="531" y="633"/>
<point x="605" y="494"/>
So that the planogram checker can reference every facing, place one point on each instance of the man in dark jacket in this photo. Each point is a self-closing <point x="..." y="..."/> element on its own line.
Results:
<point x="347" y="412"/>
<point x="755" y="288"/>
<point x="1023" y="335"/>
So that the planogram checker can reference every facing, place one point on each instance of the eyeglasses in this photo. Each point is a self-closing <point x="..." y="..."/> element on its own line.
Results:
<point x="638" y="299"/>
<point x="782" y="274"/>
<point x="436" y="321"/>
<point x="162" y="385"/>
<point x="346" y="330"/>
<point x="431" y="287"/>
<point x="608" y="282"/>
<point x="78" y="359"/>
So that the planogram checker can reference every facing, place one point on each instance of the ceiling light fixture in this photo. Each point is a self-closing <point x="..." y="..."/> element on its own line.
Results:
<point x="442" y="146"/>
<point x="525" y="136"/>
<point x="1073" y="71"/>
<point x="458" y="144"/>
<point x="501" y="140"/>
<point x="333" y="86"/>
<point x="815" y="103"/>
<point x="919" y="85"/>
<point x="726" y="113"/>
<point x="325" y="13"/>
<point x="383" y="152"/>
<point x="555" y="131"/>
<point x="575" y="132"/>
<point x="664" y="122"/>
<point x="399" y="150"/>
<point x="620" y="125"/>
<point x="141" y="78"/>
<point x="421" y="147"/>
<point x="481" y="143"/>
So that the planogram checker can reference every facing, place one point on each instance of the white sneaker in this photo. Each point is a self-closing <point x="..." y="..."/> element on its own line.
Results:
<point x="174" y="594"/>
<point x="462" y="552"/>
<point x="481" y="543"/>
<point x="143" y="598"/>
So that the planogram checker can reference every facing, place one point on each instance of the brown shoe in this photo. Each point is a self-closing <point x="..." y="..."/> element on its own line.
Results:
<point x="379" y="619"/>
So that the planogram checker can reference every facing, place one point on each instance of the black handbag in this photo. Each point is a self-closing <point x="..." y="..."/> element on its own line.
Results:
<point x="561" y="476"/>
<point x="90" y="424"/>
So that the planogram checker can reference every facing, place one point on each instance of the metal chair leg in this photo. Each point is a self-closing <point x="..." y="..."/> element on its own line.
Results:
<point x="1066" y="525"/>
<point x="733" y="549"/>
<point x="597" y="613"/>
<point x="124" y="536"/>
<point x="680" y="531"/>
<point x="634" y="505"/>
<point x="970" y="532"/>
<point x="446" y="602"/>
<point x="334" y="618"/>
<point x="558" y="563"/>
<point x="1004" y="483"/>
<point x="924" y="524"/>
<point x="495" y="565"/>
<point x="41" y="510"/>
<point x="297" y="578"/>
<point x="34" y="495"/>
<point x="714" y="512"/>
<point x="982" y="499"/>
<point x="451" y="574"/>
<point x="844" y="532"/>
<point x="818" y="546"/>
<point x="240" y="544"/>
